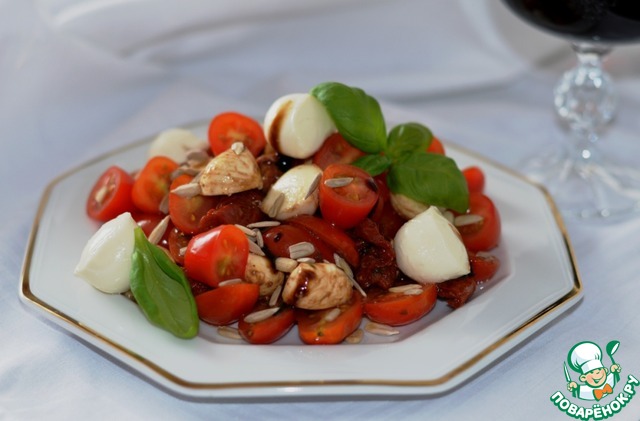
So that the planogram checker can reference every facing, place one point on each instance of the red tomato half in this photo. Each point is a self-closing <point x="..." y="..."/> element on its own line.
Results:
<point x="334" y="237"/>
<point x="398" y="308"/>
<point x="186" y="212"/>
<point x="217" y="255"/>
<point x="436" y="146"/>
<point x="475" y="179"/>
<point x="336" y="150"/>
<point x="227" y="128"/>
<point x="224" y="305"/>
<point x="313" y="329"/>
<point x="269" y="330"/>
<point x="347" y="206"/>
<point x="152" y="183"/>
<point x="278" y="240"/>
<point x="484" y="234"/>
<point x="110" y="195"/>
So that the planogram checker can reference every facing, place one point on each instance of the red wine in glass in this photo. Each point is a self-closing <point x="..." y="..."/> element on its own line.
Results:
<point x="584" y="182"/>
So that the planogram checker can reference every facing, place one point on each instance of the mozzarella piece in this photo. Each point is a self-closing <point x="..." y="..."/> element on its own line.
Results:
<point x="105" y="262"/>
<point x="293" y="194"/>
<point x="296" y="125"/>
<point x="233" y="171"/>
<point x="176" y="144"/>
<point x="259" y="270"/>
<point x="429" y="249"/>
<point x="317" y="286"/>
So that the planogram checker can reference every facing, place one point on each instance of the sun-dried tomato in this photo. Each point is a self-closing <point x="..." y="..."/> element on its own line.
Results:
<point x="377" y="257"/>
<point x="241" y="208"/>
<point x="456" y="292"/>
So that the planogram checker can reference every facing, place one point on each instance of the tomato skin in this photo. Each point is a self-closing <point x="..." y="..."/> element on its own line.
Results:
<point x="483" y="266"/>
<point x="226" y="304"/>
<point x="314" y="330"/>
<point x="186" y="212"/>
<point x="269" y="330"/>
<point x="397" y="308"/>
<point x="475" y="179"/>
<point x="345" y="207"/>
<point x="484" y="235"/>
<point x="334" y="237"/>
<point x="278" y="239"/>
<point x="336" y="150"/>
<point x="436" y="146"/>
<point x="217" y="255"/>
<point x="227" y="128"/>
<point x="110" y="196"/>
<point x="152" y="183"/>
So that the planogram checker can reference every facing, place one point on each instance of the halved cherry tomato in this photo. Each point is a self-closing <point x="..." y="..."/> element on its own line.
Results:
<point x="398" y="308"/>
<point x="227" y="128"/>
<point x="226" y="304"/>
<point x="278" y="240"/>
<point x="436" y="146"/>
<point x="484" y="234"/>
<point x="336" y="150"/>
<point x="269" y="330"/>
<point x="186" y="212"/>
<point x="334" y="237"/>
<point x="177" y="242"/>
<point x="147" y="221"/>
<point x="217" y="255"/>
<point x="110" y="195"/>
<point x="483" y="266"/>
<point x="475" y="179"/>
<point x="347" y="206"/>
<point x="152" y="183"/>
<point x="313" y="328"/>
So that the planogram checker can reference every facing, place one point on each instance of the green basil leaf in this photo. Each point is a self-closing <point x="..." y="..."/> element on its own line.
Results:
<point x="357" y="116"/>
<point x="373" y="164"/>
<point x="408" y="138"/>
<point x="431" y="179"/>
<point x="161" y="289"/>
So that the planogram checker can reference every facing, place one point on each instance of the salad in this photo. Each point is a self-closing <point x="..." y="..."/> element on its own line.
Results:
<point x="316" y="219"/>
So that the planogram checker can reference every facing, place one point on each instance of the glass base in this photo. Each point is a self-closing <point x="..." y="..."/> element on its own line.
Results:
<point x="589" y="187"/>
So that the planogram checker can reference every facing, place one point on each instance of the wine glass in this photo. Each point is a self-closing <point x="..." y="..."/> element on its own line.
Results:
<point x="584" y="182"/>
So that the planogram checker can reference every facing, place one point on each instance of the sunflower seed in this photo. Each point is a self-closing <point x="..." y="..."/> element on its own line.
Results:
<point x="338" y="182"/>
<point x="448" y="215"/>
<point x="197" y="156"/>
<point x="273" y="300"/>
<point x="342" y="264"/>
<point x="331" y="315"/>
<point x="277" y="204"/>
<point x="230" y="282"/>
<point x="156" y="235"/>
<point x="248" y="232"/>
<point x="468" y="219"/>
<point x="255" y="249"/>
<point x="284" y="264"/>
<point x="188" y="190"/>
<point x="306" y="260"/>
<point x="414" y="291"/>
<point x="264" y="224"/>
<point x="164" y="204"/>
<point x="380" y="329"/>
<point x="259" y="238"/>
<point x="355" y="337"/>
<point x="313" y="186"/>
<point x="258" y="316"/>
<point x="301" y="249"/>
<point x="229" y="332"/>
<point x="182" y="251"/>
<point x="238" y="148"/>
<point x="101" y="194"/>
<point x="403" y="288"/>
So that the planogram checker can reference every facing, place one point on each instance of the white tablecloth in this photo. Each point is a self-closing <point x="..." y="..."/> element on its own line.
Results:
<point x="78" y="78"/>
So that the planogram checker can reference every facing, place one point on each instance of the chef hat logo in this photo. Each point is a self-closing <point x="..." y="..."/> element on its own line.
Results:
<point x="585" y="357"/>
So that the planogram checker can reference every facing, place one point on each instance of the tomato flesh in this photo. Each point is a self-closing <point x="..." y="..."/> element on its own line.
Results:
<point x="436" y="146"/>
<point x="227" y="128"/>
<point x="336" y="150"/>
<point x="398" y="308"/>
<point x="484" y="234"/>
<point x="314" y="329"/>
<point x="186" y="212"/>
<point x="269" y="330"/>
<point x="217" y="255"/>
<point x="334" y="237"/>
<point x="152" y="184"/>
<point x="347" y="206"/>
<point x="226" y="304"/>
<point x="111" y="195"/>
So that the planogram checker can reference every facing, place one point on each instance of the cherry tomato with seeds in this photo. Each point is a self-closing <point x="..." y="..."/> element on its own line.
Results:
<point x="226" y="304"/>
<point x="484" y="234"/>
<point x="334" y="237"/>
<point x="336" y="150"/>
<point x="110" y="195"/>
<point x="315" y="329"/>
<point x="475" y="179"/>
<point x="227" y="128"/>
<point x="217" y="255"/>
<point x="268" y="330"/>
<point x="398" y="308"/>
<point x="278" y="240"/>
<point x="152" y="183"/>
<point x="345" y="206"/>
<point x="186" y="212"/>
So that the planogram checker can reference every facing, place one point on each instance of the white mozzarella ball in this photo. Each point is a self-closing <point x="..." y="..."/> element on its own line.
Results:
<point x="176" y="144"/>
<point x="295" y="193"/>
<point x="105" y="262"/>
<point x="296" y="125"/>
<point x="429" y="249"/>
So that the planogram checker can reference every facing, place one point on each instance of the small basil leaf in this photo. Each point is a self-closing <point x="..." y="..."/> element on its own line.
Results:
<point x="431" y="179"/>
<point x="408" y="138"/>
<point x="161" y="289"/>
<point x="357" y="116"/>
<point x="373" y="164"/>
